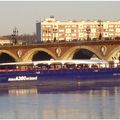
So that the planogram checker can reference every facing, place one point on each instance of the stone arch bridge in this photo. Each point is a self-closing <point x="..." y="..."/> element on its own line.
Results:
<point x="107" y="50"/>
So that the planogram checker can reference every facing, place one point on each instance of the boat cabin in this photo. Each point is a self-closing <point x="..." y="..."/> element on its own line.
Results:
<point x="58" y="64"/>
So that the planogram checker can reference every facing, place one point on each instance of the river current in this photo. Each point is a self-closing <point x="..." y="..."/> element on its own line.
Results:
<point x="65" y="103"/>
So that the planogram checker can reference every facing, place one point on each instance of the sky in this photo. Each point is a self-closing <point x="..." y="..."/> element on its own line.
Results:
<point x="24" y="14"/>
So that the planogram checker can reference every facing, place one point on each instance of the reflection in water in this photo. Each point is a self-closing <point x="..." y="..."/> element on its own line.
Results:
<point x="22" y="91"/>
<point x="60" y="103"/>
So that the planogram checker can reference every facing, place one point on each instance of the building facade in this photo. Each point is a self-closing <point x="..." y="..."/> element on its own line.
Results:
<point x="53" y="30"/>
<point x="5" y="41"/>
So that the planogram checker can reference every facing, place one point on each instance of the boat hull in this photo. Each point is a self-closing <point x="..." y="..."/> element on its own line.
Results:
<point x="64" y="77"/>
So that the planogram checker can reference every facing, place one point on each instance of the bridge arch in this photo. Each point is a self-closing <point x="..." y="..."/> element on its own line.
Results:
<point x="70" y="53"/>
<point x="10" y="55"/>
<point x="29" y="54"/>
<point x="114" y="54"/>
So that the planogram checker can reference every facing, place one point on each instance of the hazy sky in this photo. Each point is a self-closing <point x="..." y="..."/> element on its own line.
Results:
<point x="23" y="14"/>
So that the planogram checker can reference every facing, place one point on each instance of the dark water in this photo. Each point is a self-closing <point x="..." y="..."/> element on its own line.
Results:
<point x="60" y="103"/>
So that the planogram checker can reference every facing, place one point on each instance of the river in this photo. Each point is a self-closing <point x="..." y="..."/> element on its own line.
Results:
<point x="62" y="103"/>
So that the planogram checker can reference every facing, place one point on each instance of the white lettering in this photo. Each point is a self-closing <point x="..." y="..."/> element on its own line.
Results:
<point x="21" y="78"/>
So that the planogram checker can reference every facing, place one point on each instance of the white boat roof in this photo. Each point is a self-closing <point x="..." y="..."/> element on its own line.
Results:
<point x="49" y="62"/>
<point x="72" y="62"/>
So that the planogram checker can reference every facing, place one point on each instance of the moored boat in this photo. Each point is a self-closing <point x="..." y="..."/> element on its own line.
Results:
<point x="59" y="72"/>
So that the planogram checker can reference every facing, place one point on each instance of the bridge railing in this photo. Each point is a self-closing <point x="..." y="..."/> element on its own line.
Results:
<point x="64" y="41"/>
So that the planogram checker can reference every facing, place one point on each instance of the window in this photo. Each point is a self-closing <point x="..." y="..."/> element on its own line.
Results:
<point x="111" y="30"/>
<point x="111" y="26"/>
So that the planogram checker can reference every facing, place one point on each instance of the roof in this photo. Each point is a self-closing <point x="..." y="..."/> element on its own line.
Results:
<point x="49" y="62"/>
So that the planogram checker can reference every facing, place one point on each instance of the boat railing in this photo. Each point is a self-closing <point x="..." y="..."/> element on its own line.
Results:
<point x="58" y="65"/>
<point x="63" y="68"/>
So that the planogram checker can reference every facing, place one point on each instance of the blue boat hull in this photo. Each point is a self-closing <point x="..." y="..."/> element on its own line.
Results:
<point x="60" y="77"/>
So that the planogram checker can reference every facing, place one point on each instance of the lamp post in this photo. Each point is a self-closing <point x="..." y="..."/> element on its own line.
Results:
<point x="88" y="30"/>
<point x="48" y="35"/>
<point x="14" y="35"/>
<point x="100" y="31"/>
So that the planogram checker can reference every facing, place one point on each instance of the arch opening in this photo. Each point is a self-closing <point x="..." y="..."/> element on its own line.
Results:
<point x="6" y="58"/>
<point x="41" y="55"/>
<point x="84" y="54"/>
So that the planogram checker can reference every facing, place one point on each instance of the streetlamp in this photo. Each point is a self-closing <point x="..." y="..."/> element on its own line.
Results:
<point x="100" y="30"/>
<point x="88" y="30"/>
<point x="14" y="35"/>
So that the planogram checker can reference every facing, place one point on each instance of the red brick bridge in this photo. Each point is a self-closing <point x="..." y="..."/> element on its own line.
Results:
<point x="107" y="50"/>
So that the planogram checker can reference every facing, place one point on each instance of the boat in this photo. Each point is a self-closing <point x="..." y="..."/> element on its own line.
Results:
<point x="59" y="73"/>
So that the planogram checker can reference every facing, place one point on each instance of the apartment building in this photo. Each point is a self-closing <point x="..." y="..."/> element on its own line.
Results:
<point x="53" y="30"/>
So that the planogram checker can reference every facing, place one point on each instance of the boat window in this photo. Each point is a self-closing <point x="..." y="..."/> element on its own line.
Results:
<point x="94" y="66"/>
<point x="7" y="67"/>
<point x="111" y="64"/>
<point x="70" y="65"/>
<point x="42" y="66"/>
<point x="82" y="66"/>
<point x="118" y="65"/>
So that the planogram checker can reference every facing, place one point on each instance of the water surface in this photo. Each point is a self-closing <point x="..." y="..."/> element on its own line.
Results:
<point x="63" y="103"/>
